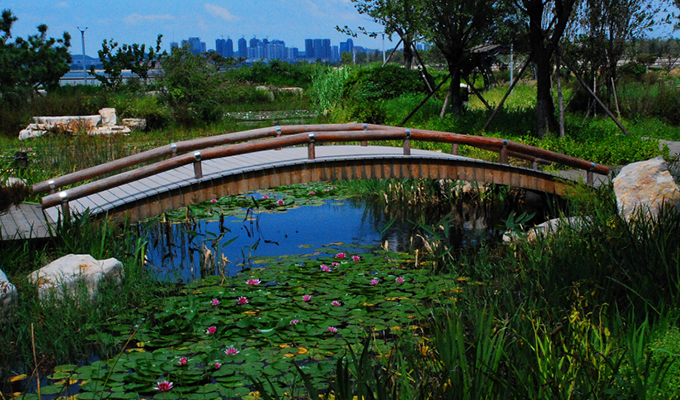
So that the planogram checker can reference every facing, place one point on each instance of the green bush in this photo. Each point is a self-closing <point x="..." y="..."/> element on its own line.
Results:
<point x="276" y="73"/>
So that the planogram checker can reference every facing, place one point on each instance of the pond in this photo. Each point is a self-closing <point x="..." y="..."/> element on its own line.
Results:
<point x="227" y="235"/>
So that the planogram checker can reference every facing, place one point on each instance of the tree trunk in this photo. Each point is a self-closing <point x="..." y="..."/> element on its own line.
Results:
<point x="454" y="90"/>
<point x="408" y="51"/>
<point x="545" y="108"/>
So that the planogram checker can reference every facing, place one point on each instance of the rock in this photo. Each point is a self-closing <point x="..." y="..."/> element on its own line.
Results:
<point x="68" y="270"/>
<point x="645" y="186"/>
<point x="7" y="290"/>
<point x="546" y="228"/>
<point x="135" y="124"/>
<point x="108" y="116"/>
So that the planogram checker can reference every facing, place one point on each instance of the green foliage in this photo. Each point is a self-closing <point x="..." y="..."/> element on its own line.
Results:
<point x="366" y="89"/>
<point x="26" y="65"/>
<point x="327" y="88"/>
<point x="276" y="73"/>
<point x="127" y="57"/>
<point x="632" y="69"/>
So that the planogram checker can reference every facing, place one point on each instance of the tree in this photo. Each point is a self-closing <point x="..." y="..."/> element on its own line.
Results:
<point x="547" y="21"/>
<point x="400" y="17"/>
<point x="128" y="57"/>
<point x="27" y="65"/>
<point x="607" y="27"/>
<point x="454" y="26"/>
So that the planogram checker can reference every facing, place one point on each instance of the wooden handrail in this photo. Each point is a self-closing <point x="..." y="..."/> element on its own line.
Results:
<point x="370" y="133"/>
<point x="187" y="146"/>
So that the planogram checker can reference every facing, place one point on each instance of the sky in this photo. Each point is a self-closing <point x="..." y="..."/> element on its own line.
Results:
<point x="140" y="21"/>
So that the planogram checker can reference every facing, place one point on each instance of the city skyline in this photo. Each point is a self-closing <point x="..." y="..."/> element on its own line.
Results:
<point x="291" y="21"/>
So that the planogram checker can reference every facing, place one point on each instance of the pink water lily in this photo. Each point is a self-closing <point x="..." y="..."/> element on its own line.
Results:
<point x="374" y="282"/>
<point x="163" y="386"/>
<point x="294" y="322"/>
<point x="215" y="302"/>
<point x="356" y="258"/>
<point x="253" y="282"/>
<point x="340" y="255"/>
<point x="400" y="279"/>
<point x="336" y="303"/>
<point x="325" y="268"/>
<point x="280" y="202"/>
<point x="218" y="365"/>
<point x="231" y="351"/>
<point x="332" y="329"/>
<point x="213" y="201"/>
<point x="183" y="361"/>
<point x="306" y="297"/>
<point x="211" y="330"/>
<point x="265" y="197"/>
<point x="242" y="300"/>
<point x="311" y="192"/>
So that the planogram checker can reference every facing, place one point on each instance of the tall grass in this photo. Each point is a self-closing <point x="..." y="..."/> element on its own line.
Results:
<point x="62" y="327"/>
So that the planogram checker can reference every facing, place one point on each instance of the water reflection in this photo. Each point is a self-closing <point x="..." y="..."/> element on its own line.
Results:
<point x="187" y="251"/>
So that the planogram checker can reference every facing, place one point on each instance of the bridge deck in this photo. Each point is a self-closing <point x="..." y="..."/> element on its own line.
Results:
<point x="26" y="221"/>
<point x="234" y="165"/>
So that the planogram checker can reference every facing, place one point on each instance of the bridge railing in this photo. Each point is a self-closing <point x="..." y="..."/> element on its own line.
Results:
<point x="358" y="133"/>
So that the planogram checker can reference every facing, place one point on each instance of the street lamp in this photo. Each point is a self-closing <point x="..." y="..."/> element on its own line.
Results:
<point x="82" y="35"/>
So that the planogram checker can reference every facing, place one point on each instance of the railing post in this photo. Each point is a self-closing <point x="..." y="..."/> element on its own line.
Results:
<point x="534" y="164"/>
<point x="311" y="154"/>
<point x="407" y="143"/>
<point x="589" y="174"/>
<point x="278" y="134"/>
<point x="173" y="148"/>
<point x="65" y="209"/>
<point x="365" y="142"/>
<point x="504" y="152"/>
<point x="454" y="149"/>
<point x="198" y="168"/>
<point x="53" y="188"/>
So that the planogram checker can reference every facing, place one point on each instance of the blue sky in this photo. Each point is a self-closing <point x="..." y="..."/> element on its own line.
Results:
<point x="140" y="21"/>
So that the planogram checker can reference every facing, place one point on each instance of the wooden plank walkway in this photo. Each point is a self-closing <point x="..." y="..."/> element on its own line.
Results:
<point x="182" y="178"/>
<point x="26" y="221"/>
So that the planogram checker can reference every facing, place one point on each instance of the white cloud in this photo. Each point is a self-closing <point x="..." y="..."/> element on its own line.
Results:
<point x="137" y="18"/>
<point x="220" y="12"/>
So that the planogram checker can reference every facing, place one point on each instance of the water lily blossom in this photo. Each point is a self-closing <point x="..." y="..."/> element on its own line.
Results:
<point x="218" y="365"/>
<point x="356" y="258"/>
<point x="340" y="255"/>
<point x="183" y="361"/>
<point x="231" y="351"/>
<point x="311" y="192"/>
<point x="294" y="322"/>
<point x="163" y="386"/>
<point x="215" y="302"/>
<point x="325" y="268"/>
<point x="265" y="197"/>
<point x="332" y="329"/>
<point x="306" y="297"/>
<point x="242" y="300"/>
<point x="211" y="330"/>
<point x="213" y="201"/>
<point x="335" y="264"/>
<point x="253" y="282"/>
<point x="280" y="202"/>
<point x="336" y="303"/>
<point x="400" y="279"/>
<point x="374" y="282"/>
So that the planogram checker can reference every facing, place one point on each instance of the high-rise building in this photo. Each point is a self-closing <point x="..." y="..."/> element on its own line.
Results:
<point x="195" y="45"/>
<point x="326" y="49"/>
<point x="220" y="45"/>
<point x="309" y="48"/>
<point x="229" y="48"/>
<point x="350" y="45"/>
<point x="336" y="53"/>
<point x="242" y="48"/>
<point x="255" y="42"/>
<point x="318" y="49"/>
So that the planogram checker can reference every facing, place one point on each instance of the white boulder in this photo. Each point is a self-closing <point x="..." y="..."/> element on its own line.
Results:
<point x="7" y="290"/>
<point x="645" y="186"/>
<point x="67" y="271"/>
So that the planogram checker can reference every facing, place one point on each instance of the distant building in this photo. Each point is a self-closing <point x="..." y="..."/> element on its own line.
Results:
<point x="229" y="48"/>
<point x="242" y="48"/>
<point x="195" y="45"/>
<point x="309" y="48"/>
<point x="347" y="46"/>
<point x="173" y="45"/>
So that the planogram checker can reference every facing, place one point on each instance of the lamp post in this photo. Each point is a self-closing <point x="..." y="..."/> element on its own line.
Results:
<point x="383" y="37"/>
<point x="82" y="35"/>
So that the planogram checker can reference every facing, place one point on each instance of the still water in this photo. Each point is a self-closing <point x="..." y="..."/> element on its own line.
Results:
<point x="186" y="251"/>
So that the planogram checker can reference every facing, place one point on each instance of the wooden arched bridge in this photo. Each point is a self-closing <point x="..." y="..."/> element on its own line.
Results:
<point x="188" y="172"/>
